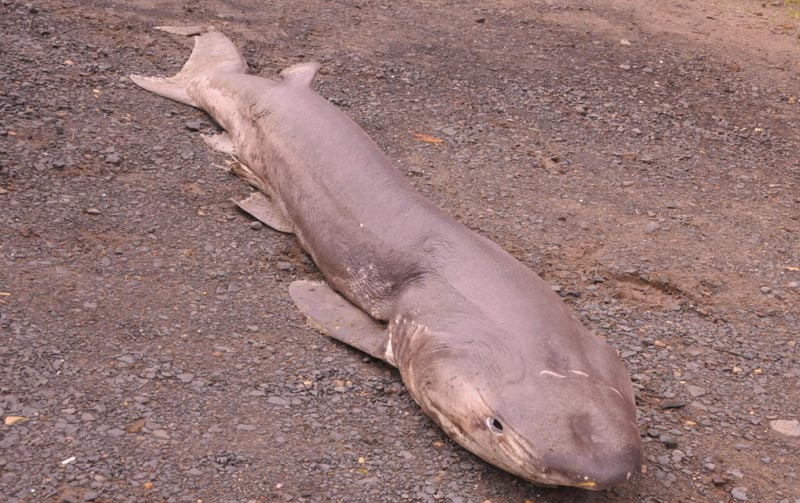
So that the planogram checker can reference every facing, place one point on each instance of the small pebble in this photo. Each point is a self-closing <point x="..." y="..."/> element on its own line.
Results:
<point x="735" y="472"/>
<point x="276" y="400"/>
<point x="719" y="480"/>
<point x="739" y="493"/>
<point x="256" y="225"/>
<point x="673" y="403"/>
<point x="92" y="211"/>
<point x="651" y="227"/>
<point x="788" y="427"/>
<point x="185" y="378"/>
<point x="669" y="442"/>
<point x="695" y="391"/>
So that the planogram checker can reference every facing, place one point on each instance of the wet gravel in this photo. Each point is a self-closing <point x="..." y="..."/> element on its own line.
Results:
<point x="149" y="348"/>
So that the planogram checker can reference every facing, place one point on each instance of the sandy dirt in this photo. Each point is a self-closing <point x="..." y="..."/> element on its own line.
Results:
<point x="643" y="157"/>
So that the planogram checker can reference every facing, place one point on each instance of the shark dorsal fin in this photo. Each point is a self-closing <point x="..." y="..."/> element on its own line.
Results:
<point x="300" y="74"/>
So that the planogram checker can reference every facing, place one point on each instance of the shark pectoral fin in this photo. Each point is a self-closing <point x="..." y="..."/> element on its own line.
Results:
<point x="300" y="74"/>
<point x="334" y="316"/>
<point x="220" y="142"/>
<point x="263" y="208"/>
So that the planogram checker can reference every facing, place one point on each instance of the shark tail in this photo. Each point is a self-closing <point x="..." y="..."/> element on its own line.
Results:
<point x="213" y="53"/>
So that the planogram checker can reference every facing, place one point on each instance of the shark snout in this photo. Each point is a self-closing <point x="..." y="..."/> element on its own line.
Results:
<point x="603" y="470"/>
<point x="603" y="456"/>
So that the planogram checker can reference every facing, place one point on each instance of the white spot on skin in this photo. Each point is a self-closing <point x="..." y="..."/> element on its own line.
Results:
<point x="580" y="373"/>
<point x="628" y="477"/>
<point x="389" y="354"/>
<point x="550" y="373"/>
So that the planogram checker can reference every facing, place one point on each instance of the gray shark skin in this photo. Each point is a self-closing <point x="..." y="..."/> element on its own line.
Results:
<point x="484" y="345"/>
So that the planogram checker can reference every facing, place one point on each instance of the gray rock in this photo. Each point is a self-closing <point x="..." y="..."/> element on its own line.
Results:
<point x="276" y="400"/>
<point x="669" y="442"/>
<point x="737" y="473"/>
<point x="284" y="266"/>
<point x="739" y="493"/>
<point x="185" y="378"/>
<point x="695" y="391"/>
<point x="788" y="427"/>
<point x="651" y="227"/>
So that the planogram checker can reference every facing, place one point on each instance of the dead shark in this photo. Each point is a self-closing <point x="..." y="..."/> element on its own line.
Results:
<point x="482" y="343"/>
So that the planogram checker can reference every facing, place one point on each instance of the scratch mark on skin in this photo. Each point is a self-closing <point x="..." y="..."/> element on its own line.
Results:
<point x="550" y="373"/>
<point x="617" y="392"/>
<point x="580" y="373"/>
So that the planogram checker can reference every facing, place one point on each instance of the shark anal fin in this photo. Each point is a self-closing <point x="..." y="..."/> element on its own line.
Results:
<point x="263" y="208"/>
<point x="221" y="142"/>
<point x="334" y="316"/>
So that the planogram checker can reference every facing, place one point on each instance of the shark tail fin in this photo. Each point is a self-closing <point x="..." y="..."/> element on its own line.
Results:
<point x="213" y="53"/>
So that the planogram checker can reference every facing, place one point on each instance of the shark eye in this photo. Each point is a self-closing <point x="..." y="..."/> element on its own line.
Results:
<point x="495" y="425"/>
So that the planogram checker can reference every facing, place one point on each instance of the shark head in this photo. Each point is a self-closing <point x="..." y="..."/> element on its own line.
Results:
<point x="552" y="421"/>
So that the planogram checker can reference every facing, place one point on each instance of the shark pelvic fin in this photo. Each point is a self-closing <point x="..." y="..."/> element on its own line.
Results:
<point x="265" y="210"/>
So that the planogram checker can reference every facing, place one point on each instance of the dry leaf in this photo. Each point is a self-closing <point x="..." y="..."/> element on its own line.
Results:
<point x="427" y="138"/>
<point x="12" y="420"/>
<point x="136" y="426"/>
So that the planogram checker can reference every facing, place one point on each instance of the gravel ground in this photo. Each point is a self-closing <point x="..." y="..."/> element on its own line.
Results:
<point x="150" y="351"/>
